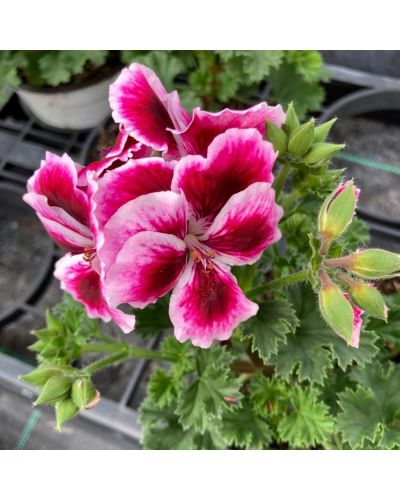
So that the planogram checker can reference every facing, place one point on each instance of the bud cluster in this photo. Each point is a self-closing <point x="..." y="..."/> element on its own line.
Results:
<point x="65" y="389"/>
<point x="343" y="296"/>
<point x="302" y="145"/>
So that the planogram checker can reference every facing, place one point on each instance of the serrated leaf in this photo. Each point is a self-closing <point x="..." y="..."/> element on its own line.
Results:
<point x="163" y="388"/>
<point x="372" y="411"/>
<point x="270" y="327"/>
<point x="287" y="86"/>
<point x="358" y="420"/>
<point x="267" y="395"/>
<point x="389" y="332"/>
<point x="307" y="422"/>
<point x="204" y="399"/>
<point x="152" y="319"/>
<point x="314" y="345"/>
<point x="258" y="63"/>
<point x="243" y="428"/>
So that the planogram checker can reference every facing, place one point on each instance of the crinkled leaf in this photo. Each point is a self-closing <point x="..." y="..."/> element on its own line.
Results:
<point x="270" y="327"/>
<point x="163" y="388"/>
<point x="307" y="422"/>
<point x="243" y="428"/>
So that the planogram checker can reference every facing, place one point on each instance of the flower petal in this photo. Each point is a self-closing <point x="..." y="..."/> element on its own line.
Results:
<point x="135" y="178"/>
<point x="147" y="267"/>
<point x="162" y="212"/>
<point x="246" y="225"/>
<point x="71" y="235"/>
<point x="236" y="159"/>
<point x="140" y="102"/>
<point x="79" y="278"/>
<point x="56" y="179"/>
<point x="205" y="126"/>
<point x="207" y="305"/>
<point x="355" y="338"/>
<point x="125" y="148"/>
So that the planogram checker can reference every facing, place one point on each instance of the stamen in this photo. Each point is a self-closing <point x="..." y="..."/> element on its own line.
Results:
<point x="89" y="254"/>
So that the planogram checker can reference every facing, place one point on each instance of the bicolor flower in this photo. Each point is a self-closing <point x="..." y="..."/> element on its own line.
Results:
<point x="64" y="210"/>
<point x="220" y="212"/>
<point x="157" y="119"/>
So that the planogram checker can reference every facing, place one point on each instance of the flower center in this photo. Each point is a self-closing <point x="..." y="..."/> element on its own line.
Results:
<point x="89" y="254"/>
<point x="200" y="253"/>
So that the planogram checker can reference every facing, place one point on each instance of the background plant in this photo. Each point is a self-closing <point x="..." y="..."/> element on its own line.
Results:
<point x="211" y="79"/>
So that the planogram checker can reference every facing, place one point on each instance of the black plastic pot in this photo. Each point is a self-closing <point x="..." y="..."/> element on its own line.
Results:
<point x="361" y="110"/>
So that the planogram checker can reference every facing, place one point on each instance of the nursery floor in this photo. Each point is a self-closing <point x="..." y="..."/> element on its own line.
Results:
<point x="23" y="427"/>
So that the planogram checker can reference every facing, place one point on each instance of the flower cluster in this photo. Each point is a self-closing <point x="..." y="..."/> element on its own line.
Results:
<point x="172" y="206"/>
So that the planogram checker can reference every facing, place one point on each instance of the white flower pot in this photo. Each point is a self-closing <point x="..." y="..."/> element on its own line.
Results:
<point x="75" y="108"/>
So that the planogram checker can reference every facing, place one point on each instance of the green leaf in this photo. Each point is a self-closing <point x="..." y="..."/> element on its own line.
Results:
<point x="358" y="420"/>
<point x="270" y="327"/>
<point x="205" y="398"/>
<point x="179" y="355"/>
<point x="372" y="411"/>
<point x="312" y="349"/>
<point x="258" y="63"/>
<point x="153" y="318"/>
<point x="307" y="63"/>
<point x="163" y="388"/>
<point x="267" y="395"/>
<point x="308" y="422"/>
<point x="59" y="66"/>
<point x="287" y="86"/>
<point x="243" y="428"/>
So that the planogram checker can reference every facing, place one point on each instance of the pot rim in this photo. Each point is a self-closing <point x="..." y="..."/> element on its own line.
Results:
<point x="69" y="87"/>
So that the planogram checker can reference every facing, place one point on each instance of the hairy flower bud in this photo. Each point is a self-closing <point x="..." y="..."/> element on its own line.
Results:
<point x="338" y="312"/>
<point x="55" y="388"/>
<point x="337" y="213"/>
<point x="372" y="263"/>
<point x="83" y="393"/>
<point x="366" y="296"/>
<point x="41" y="375"/>
<point x="321" y="152"/>
<point x="277" y="137"/>
<point x="65" y="410"/>
<point x="302" y="139"/>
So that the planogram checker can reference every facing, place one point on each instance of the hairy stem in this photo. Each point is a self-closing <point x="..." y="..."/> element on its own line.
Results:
<point x="289" y="280"/>
<point x="281" y="179"/>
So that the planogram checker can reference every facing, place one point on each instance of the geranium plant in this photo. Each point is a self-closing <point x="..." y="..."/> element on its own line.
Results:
<point x="229" y="232"/>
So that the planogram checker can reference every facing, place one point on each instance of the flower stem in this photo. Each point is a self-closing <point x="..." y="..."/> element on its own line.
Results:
<point x="119" y="351"/>
<point x="102" y="363"/>
<point x="281" y="179"/>
<point x="291" y="279"/>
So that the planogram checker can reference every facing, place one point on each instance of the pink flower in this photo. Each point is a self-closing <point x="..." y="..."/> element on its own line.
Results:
<point x="355" y="338"/>
<point x="220" y="212"/>
<point x="157" y="119"/>
<point x="64" y="210"/>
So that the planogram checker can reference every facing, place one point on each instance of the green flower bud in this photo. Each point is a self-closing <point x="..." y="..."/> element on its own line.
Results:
<point x="277" y="137"/>
<point x="302" y="139"/>
<point x="321" y="152"/>
<point x="321" y="132"/>
<point x="335" y="308"/>
<point x="83" y="392"/>
<point x="292" y="120"/>
<point x="366" y="296"/>
<point x="372" y="263"/>
<point x="55" y="388"/>
<point x="336" y="214"/>
<point x="41" y="375"/>
<point x="65" y="410"/>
